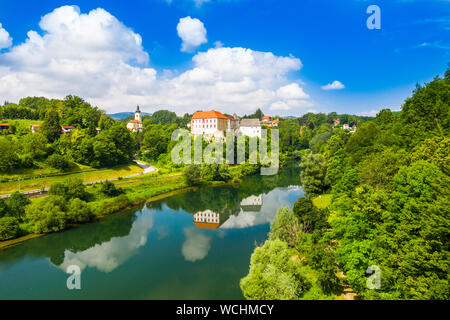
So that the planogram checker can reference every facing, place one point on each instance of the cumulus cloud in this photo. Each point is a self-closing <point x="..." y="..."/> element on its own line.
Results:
<point x="5" y="39"/>
<point x="96" y="57"/>
<point x="196" y="246"/>
<point x="335" y="85"/>
<point x="192" y="33"/>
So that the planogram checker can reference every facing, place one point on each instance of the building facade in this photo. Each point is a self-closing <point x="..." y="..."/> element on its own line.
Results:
<point x="136" y="124"/>
<point x="250" y="128"/>
<point x="211" y="124"/>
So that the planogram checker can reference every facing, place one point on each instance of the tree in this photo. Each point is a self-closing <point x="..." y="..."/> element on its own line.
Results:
<point x="9" y="228"/>
<point x="34" y="144"/>
<point x="310" y="217"/>
<point x="8" y="156"/>
<point x="109" y="189"/>
<point x="16" y="204"/>
<point x="58" y="161"/>
<point x="47" y="215"/>
<point x="286" y="227"/>
<point x="273" y="274"/>
<point x="51" y="127"/>
<point x="79" y="211"/>
<point x="106" y="122"/>
<point x="192" y="175"/>
<point x="3" y="208"/>
<point x="313" y="175"/>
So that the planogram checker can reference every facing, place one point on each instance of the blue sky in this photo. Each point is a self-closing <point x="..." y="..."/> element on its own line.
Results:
<point x="378" y="68"/>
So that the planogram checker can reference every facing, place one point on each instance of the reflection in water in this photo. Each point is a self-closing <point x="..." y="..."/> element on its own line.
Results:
<point x="109" y="255"/>
<point x="196" y="246"/>
<point x="207" y="219"/>
<point x="207" y="226"/>
<point x="252" y="203"/>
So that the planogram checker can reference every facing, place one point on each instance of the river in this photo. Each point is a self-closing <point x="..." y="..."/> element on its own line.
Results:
<point x="194" y="245"/>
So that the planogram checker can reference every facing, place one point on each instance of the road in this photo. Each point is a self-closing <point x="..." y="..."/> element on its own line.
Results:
<point x="37" y="192"/>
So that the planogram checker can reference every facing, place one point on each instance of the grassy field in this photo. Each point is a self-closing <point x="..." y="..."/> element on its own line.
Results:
<point x="88" y="174"/>
<point x="322" y="201"/>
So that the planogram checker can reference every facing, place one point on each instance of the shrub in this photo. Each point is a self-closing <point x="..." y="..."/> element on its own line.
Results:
<point x="9" y="228"/>
<point x="109" y="189"/>
<point x="16" y="204"/>
<point x="58" y="162"/>
<point x="47" y="215"/>
<point x="192" y="175"/>
<point x="273" y="274"/>
<point x="79" y="211"/>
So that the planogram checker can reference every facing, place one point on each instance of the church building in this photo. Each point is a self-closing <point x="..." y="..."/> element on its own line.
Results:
<point x="136" y="124"/>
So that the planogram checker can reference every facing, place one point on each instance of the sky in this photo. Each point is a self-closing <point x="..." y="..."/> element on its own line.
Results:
<point x="234" y="56"/>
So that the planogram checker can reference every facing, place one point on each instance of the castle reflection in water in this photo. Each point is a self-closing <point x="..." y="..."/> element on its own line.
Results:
<point x="208" y="219"/>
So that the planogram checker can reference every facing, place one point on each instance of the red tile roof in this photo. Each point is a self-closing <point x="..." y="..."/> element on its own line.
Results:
<point x="4" y="124"/>
<point x="68" y="127"/>
<point x="134" y="121"/>
<point x="209" y="115"/>
<point x="205" y="225"/>
<point x="266" y="117"/>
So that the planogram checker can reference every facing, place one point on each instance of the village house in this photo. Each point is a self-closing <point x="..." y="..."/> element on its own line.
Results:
<point x="136" y="124"/>
<point x="266" y="119"/>
<point x="345" y="126"/>
<point x="4" y="126"/>
<point x="337" y="122"/>
<point x="250" y="128"/>
<point x="67" y="129"/>
<point x="207" y="219"/>
<point x="35" y="128"/>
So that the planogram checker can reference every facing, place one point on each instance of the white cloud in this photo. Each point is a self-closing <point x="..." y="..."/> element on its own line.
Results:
<point x="98" y="58"/>
<point x="196" y="246"/>
<point x="335" y="85"/>
<point x="371" y="113"/>
<point x="5" y="39"/>
<point x="292" y="91"/>
<point x="192" y="33"/>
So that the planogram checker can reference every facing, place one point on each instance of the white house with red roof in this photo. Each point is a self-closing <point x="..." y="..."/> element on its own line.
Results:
<point x="64" y="129"/>
<point x="136" y="124"/>
<point x="212" y="124"/>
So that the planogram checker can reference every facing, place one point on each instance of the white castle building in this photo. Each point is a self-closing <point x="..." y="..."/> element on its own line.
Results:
<point x="207" y="219"/>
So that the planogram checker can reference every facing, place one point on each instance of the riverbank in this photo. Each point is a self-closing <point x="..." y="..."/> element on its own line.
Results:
<point x="137" y="193"/>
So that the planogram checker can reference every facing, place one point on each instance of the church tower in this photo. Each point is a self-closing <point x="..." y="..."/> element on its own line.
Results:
<point x="138" y="115"/>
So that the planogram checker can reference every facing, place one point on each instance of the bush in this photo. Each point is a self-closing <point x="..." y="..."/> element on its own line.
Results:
<point x="16" y="205"/>
<point x="192" y="175"/>
<point x="273" y="274"/>
<point x="27" y="161"/>
<point x="47" y="215"/>
<point x="79" y="211"/>
<point x="3" y="208"/>
<point x="109" y="189"/>
<point x="58" y="189"/>
<point x="69" y="189"/>
<point x="58" y="162"/>
<point x="9" y="228"/>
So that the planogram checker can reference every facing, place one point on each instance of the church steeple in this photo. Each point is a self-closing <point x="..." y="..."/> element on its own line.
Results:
<point x="138" y="115"/>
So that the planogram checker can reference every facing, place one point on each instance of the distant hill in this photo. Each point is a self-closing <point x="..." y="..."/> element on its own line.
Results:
<point x="123" y="115"/>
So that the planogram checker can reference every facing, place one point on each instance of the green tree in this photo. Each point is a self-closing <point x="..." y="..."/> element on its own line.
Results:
<point x="273" y="274"/>
<point x="192" y="175"/>
<point x="313" y="175"/>
<point x="16" y="204"/>
<point x="51" y="127"/>
<point x="58" y="161"/>
<point x="48" y="215"/>
<point x="9" y="228"/>
<point x="78" y="211"/>
<point x="8" y="156"/>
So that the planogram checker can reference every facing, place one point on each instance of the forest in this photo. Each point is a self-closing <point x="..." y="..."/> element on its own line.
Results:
<point x="389" y="211"/>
